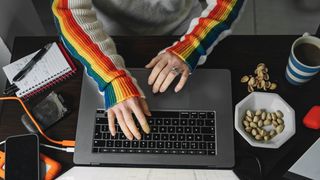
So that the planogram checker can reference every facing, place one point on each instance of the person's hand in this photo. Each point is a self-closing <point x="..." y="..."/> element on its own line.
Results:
<point x="123" y="112"/>
<point x="166" y="67"/>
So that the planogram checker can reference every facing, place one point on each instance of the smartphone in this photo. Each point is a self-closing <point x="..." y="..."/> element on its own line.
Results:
<point x="22" y="157"/>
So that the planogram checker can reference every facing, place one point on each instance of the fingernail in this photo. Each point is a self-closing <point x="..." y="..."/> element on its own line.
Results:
<point x="149" y="113"/>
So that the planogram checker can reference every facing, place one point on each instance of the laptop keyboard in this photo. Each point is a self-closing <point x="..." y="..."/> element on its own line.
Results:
<point x="182" y="132"/>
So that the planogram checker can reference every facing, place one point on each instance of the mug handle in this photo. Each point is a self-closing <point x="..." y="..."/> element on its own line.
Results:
<point x="318" y="32"/>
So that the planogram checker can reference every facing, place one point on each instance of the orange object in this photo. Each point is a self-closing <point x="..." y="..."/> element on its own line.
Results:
<point x="312" y="119"/>
<point x="62" y="143"/>
<point x="52" y="167"/>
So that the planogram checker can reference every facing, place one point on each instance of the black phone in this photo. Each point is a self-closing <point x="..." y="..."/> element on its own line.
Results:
<point x="22" y="157"/>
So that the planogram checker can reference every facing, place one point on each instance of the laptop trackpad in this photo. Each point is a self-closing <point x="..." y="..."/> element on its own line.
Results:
<point x="168" y="100"/>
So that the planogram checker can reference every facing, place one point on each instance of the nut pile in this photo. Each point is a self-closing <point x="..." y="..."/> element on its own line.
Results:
<point x="260" y="81"/>
<point x="253" y="123"/>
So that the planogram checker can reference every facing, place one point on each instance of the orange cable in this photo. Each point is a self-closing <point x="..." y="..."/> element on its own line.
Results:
<point x="62" y="143"/>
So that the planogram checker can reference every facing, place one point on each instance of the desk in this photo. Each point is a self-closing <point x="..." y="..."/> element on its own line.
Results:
<point x="240" y="54"/>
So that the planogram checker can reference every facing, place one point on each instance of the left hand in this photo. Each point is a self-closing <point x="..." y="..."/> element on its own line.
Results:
<point x="166" y="67"/>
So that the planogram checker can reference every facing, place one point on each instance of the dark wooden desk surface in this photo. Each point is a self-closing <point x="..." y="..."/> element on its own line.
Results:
<point x="240" y="54"/>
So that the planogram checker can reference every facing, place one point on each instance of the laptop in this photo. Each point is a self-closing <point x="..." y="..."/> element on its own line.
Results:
<point x="189" y="129"/>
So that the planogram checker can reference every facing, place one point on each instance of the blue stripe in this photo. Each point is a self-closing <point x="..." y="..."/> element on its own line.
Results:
<point x="291" y="81"/>
<point x="300" y="67"/>
<point x="298" y="75"/>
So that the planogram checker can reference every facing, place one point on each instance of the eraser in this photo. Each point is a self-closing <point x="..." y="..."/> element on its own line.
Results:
<point x="312" y="118"/>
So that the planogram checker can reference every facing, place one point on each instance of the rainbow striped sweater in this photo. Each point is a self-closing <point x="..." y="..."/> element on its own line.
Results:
<point x="83" y="36"/>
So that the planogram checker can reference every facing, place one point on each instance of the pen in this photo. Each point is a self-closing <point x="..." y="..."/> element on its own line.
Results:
<point x="31" y="63"/>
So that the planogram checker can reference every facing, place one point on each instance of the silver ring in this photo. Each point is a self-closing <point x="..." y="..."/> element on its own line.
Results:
<point x="175" y="70"/>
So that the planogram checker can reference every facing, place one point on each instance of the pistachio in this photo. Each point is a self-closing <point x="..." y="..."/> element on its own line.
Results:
<point x="258" y="112"/>
<point x="258" y="137"/>
<point x="248" y="118"/>
<point x="274" y="116"/>
<point x="279" y="114"/>
<point x="256" y="119"/>
<point x="246" y="123"/>
<point x="248" y="129"/>
<point x="280" y="121"/>
<point x="263" y="115"/>
<point x="249" y="113"/>
<point x="267" y="122"/>
<point x="254" y="132"/>
<point x="280" y="128"/>
<point x="253" y="125"/>
<point x="272" y="133"/>
<point x="266" y="138"/>
<point x="273" y="86"/>
<point x="245" y="79"/>
<point x="260" y="123"/>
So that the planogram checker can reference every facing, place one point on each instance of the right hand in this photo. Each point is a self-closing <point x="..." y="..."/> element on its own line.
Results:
<point x="123" y="112"/>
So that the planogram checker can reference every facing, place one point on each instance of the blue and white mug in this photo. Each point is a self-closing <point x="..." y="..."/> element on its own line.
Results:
<point x="297" y="71"/>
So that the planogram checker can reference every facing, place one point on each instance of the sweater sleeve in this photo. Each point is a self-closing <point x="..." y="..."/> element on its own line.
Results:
<point x="83" y="36"/>
<point x="206" y="31"/>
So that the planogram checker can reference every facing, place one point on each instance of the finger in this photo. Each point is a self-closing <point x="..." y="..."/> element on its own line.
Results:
<point x="162" y="76"/>
<point x="111" y="117"/>
<point x="145" y="108"/>
<point x="153" y="62"/>
<point x="168" y="81"/>
<point x="130" y="123"/>
<point x="140" y="116"/>
<point x="123" y="125"/>
<point x="155" y="71"/>
<point x="182" y="81"/>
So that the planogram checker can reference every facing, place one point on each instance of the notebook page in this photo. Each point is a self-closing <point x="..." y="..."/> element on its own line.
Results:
<point x="51" y="66"/>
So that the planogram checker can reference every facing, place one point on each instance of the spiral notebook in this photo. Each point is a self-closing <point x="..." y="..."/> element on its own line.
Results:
<point x="55" y="66"/>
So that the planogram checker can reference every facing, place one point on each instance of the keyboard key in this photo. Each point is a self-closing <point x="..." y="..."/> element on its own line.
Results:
<point x="165" y="151"/>
<point x="100" y="120"/>
<point x="211" y="152"/>
<point x="122" y="150"/>
<point x="106" y="136"/>
<point x="165" y="114"/>
<point x="198" y="137"/>
<point x="126" y="144"/>
<point x="97" y="128"/>
<point x="147" y="137"/>
<point x="98" y="135"/>
<point x="183" y="152"/>
<point x="210" y="115"/>
<point x="151" y="144"/>
<point x="194" y="145"/>
<point x="209" y="122"/>
<point x="190" y="137"/>
<point x="122" y="136"/>
<point x="154" y="129"/>
<point x="195" y="129"/>
<point x="183" y="122"/>
<point x="139" y="151"/>
<point x="171" y="129"/>
<point x="208" y="138"/>
<point x="156" y="151"/>
<point x="177" y="145"/>
<point x="200" y="122"/>
<point x="168" y="145"/>
<point x="118" y="143"/>
<point x="110" y="143"/>
<point x="185" y="145"/>
<point x="181" y="137"/>
<point x="202" y="115"/>
<point x="203" y="145"/>
<point x="163" y="129"/>
<point x="207" y="130"/>
<point x="167" y="121"/>
<point x="194" y="115"/>
<point x="104" y="128"/>
<point x="211" y="145"/>
<point x="159" y="122"/>
<point x="173" y="152"/>
<point x="191" y="152"/>
<point x="151" y="121"/>
<point x="173" y="137"/>
<point x="143" y="144"/>
<point x="148" y="151"/>
<point x="160" y="144"/>
<point x="134" y="144"/>
<point x="114" y="150"/>
<point x="156" y="137"/>
<point x="192" y="122"/>
<point x="104" y="150"/>
<point x="175" y="122"/>
<point x="184" y="115"/>
<point x="131" y="150"/>
<point x="99" y="143"/>
<point x="100" y="111"/>
<point x="187" y="130"/>
<point x="201" y="152"/>
<point x="179" y="129"/>
<point x="164" y="137"/>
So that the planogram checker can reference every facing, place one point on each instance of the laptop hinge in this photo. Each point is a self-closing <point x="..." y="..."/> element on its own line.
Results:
<point x="94" y="164"/>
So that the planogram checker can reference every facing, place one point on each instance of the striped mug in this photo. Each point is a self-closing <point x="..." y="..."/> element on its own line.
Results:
<point x="303" y="66"/>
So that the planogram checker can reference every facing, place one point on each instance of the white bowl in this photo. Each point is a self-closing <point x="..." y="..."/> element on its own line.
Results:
<point x="269" y="102"/>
